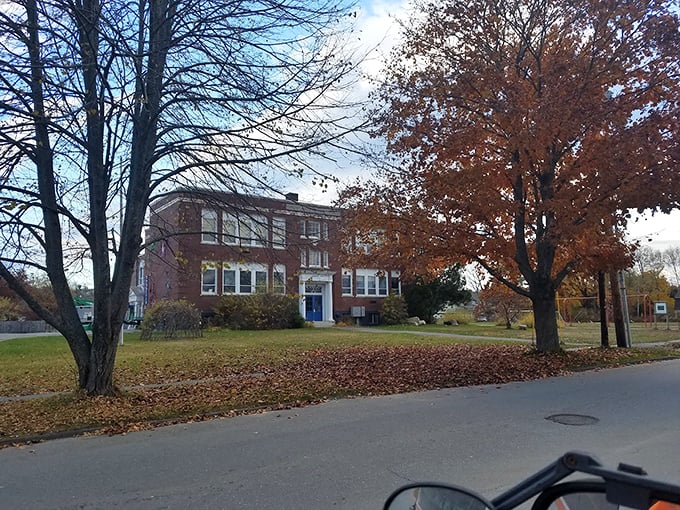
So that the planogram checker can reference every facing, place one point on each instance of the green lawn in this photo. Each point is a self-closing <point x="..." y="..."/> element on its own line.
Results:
<point x="585" y="334"/>
<point x="228" y="372"/>
<point x="45" y="364"/>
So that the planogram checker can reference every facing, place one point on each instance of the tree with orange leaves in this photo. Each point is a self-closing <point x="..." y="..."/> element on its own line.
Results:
<point x="519" y="132"/>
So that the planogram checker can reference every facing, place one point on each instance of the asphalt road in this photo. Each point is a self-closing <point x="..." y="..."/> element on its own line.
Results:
<point x="350" y="454"/>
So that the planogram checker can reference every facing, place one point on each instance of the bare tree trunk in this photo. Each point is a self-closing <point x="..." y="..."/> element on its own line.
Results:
<point x="545" y="322"/>
<point x="602" y="297"/>
<point x="102" y="360"/>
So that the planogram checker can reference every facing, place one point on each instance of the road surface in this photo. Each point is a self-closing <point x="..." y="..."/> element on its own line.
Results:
<point x="349" y="454"/>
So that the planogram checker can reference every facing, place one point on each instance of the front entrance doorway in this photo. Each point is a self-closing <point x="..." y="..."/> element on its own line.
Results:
<point x="313" y="307"/>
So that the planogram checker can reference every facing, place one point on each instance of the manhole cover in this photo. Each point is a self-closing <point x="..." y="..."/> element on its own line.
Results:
<point x="573" y="419"/>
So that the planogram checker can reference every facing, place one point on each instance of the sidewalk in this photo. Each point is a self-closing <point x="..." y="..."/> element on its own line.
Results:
<point x="12" y="336"/>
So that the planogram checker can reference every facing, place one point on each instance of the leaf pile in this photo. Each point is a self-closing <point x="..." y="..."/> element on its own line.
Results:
<point x="314" y="376"/>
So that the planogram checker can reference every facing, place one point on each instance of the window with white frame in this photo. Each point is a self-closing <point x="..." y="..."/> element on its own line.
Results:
<point x="209" y="278"/>
<point x="311" y="229"/>
<point x="314" y="259"/>
<point x="260" y="281"/>
<point x="346" y="282"/>
<point x="370" y="285"/>
<point x="244" y="279"/>
<point x="279" y="232"/>
<point x="228" y="280"/>
<point x="361" y="285"/>
<point x="230" y="229"/>
<point x="382" y="285"/>
<point x="244" y="230"/>
<point x="371" y="282"/>
<point x="140" y="274"/>
<point x="279" y="279"/>
<point x="259" y="227"/>
<point x="209" y="226"/>
<point x="395" y="283"/>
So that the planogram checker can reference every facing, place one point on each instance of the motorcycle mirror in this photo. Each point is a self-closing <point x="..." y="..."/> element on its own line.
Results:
<point x="432" y="496"/>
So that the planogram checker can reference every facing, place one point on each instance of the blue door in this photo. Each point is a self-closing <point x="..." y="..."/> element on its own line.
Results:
<point x="313" y="307"/>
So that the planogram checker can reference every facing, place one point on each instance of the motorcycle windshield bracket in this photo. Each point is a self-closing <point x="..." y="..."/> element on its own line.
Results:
<point x="627" y="485"/>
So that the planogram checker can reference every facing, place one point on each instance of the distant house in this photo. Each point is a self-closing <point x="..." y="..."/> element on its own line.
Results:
<point x="213" y="244"/>
<point x="85" y="308"/>
<point x="675" y="294"/>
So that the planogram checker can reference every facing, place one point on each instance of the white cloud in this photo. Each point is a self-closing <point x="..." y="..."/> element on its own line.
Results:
<point x="658" y="231"/>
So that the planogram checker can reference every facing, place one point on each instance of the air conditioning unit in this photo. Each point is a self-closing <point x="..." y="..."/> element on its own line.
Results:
<point x="358" y="311"/>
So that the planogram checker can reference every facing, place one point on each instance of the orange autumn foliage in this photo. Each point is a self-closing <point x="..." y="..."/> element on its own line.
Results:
<point x="519" y="133"/>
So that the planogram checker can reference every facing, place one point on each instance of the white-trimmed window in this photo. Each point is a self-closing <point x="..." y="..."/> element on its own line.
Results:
<point x="230" y="229"/>
<point x="370" y="285"/>
<point x="382" y="285"/>
<point x="228" y="280"/>
<point x="259" y="227"/>
<point x="245" y="281"/>
<point x="371" y="282"/>
<point x="346" y="282"/>
<point x="244" y="278"/>
<point x="245" y="230"/>
<point x="311" y="229"/>
<point x="209" y="278"/>
<point x="314" y="258"/>
<point x="209" y="226"/>
<point x="361" y="285"/>
<point x="279" y="279"/>
<point x="140" y="274"/>
<point x="279" y="232"/>
<point x="395" y="283"/>
<point x="261" y="281"/>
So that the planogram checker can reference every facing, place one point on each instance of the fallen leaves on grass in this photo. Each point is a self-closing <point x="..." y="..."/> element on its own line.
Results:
<point x="312" y="377"/>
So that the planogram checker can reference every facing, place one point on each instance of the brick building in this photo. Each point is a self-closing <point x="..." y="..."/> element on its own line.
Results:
<point x="211" y="244"/>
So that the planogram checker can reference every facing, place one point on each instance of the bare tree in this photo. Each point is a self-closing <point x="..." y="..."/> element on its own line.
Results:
<point x="106" y="105"/>
<point x="649" y="260"/>
<point x="671" y="258"/>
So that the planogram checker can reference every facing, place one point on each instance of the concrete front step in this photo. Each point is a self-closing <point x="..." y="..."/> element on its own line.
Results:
<point x="323" y="324"/>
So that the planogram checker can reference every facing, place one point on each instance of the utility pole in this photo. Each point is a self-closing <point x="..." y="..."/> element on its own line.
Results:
<point x="624" y="308"/>
<point x="621" y="324"/>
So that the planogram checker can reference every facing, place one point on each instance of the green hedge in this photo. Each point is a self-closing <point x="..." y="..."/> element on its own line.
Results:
<point x="394" y="310"/>
<point x="258" y="311"/>
<point x="171" y="319"/>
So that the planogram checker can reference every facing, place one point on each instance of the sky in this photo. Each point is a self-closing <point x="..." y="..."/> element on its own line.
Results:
<point x="377" y="29"/>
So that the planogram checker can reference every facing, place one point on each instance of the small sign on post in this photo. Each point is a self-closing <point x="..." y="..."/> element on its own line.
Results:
<point x="660" y="308"/>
